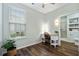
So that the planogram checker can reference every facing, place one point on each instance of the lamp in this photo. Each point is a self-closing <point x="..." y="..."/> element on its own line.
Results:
<point x="56" y="22"/>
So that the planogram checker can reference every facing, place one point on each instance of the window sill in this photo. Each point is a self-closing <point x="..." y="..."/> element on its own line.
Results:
<point x="16" y="38"/>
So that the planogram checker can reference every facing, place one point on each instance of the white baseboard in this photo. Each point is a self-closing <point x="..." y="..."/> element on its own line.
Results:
<point x="63" y="39"/>
<point x="29" y="45"/>
<point x="66" y="39"/>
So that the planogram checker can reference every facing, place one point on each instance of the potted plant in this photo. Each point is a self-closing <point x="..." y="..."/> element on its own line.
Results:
<point x="56" y="32"/>
<point x="10" y="46"/>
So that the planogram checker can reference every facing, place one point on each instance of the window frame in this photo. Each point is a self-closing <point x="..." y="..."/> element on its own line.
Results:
<point x="17" y="23"/>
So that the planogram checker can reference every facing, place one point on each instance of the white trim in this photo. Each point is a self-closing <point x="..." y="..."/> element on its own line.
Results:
<point x="29" y="45"/>
<point x="0" y="25"/>
<point x="66" y="39"/>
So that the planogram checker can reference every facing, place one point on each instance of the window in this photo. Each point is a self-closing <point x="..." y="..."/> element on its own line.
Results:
<point x="45" y="27"/>
<point x="17" y="22"/>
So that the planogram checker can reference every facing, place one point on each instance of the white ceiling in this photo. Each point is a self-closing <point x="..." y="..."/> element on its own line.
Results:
<point x="48" y="7"/>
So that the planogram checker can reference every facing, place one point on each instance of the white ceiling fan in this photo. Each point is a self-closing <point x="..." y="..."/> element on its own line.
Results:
<point x="43" y="4"/>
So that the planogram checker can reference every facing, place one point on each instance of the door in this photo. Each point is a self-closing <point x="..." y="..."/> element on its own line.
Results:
<point x="63" y="27"/>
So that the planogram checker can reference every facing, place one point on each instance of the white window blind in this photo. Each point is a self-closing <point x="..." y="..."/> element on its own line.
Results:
<point x="17" y="22"/>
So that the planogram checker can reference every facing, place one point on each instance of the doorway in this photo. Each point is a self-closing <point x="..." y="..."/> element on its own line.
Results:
<point x="63" y="27"/>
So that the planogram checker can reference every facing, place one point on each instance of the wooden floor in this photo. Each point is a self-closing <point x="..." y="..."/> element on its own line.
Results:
<point x="67" y="49"/>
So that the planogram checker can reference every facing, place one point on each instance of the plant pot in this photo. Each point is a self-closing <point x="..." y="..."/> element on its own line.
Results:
<point x="12" y="52"/>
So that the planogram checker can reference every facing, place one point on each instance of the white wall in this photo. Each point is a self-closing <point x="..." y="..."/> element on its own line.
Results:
<point x="52" y="16"/>
<point x="0" y="24"/>
<point x="33" y="26"/>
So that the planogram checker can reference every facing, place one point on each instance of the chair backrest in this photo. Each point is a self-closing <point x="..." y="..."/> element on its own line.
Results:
<point x="47" y="35"/>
